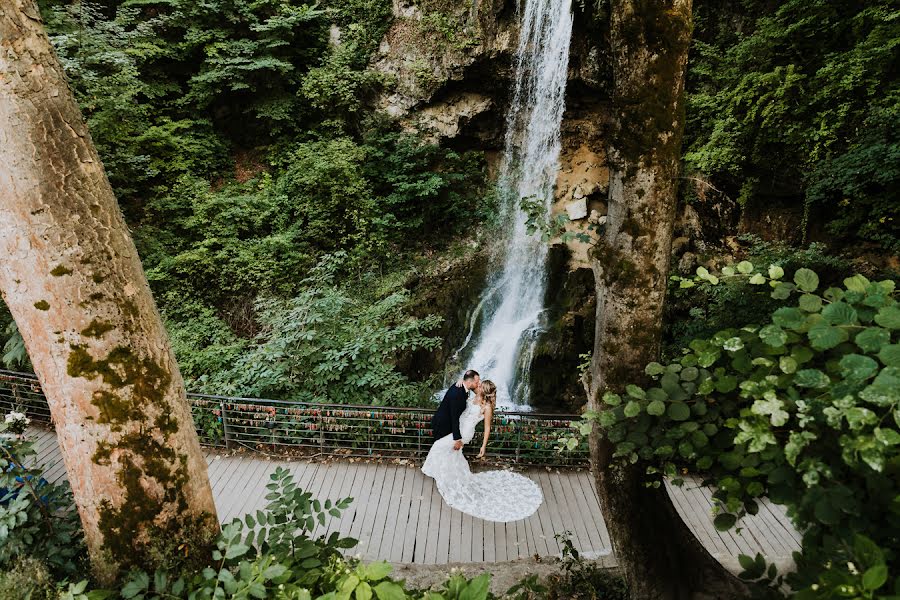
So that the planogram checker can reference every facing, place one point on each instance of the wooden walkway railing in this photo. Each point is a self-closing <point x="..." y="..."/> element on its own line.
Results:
<point x="310" y="429"/>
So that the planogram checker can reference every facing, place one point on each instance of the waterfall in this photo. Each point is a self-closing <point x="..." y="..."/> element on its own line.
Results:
<point x="511" y="318"/>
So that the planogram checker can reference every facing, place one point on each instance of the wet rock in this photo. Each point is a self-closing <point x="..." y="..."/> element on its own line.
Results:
<point x="687" y="264"/>
<point x="680" y="246"/>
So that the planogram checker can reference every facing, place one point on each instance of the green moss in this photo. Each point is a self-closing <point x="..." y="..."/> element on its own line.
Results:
<point x="645" y="98"/>
<point x="59" y="271"/>
<point x="97" y="329"/>
<point x="42" y="305"/>
<point x="134" y="526"/>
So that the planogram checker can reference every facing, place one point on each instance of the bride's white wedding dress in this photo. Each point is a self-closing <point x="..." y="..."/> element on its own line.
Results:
<point x="492" y="495"/>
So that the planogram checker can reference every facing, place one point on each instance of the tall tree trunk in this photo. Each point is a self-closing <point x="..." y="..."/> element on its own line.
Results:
<point x="73" y="281"/>
<point x="649" y="39"/>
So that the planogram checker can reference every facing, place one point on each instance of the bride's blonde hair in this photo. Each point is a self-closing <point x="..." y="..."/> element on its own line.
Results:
<point x="489" y="393"/>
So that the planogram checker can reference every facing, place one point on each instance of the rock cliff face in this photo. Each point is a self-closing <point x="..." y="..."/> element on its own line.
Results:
<point x="449" y="67"/>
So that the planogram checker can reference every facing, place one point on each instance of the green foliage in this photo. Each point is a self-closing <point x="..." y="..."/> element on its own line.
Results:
<point x="580" y="579"/>
<point x="325" y="346"/>
<point x="804" y="409"/>
<point x="27" y="579"/>
<point x="800" y="100"/>
<point x="14" y="354"/>
<point x="701" y="308"/>
<point x="36" y="517"/>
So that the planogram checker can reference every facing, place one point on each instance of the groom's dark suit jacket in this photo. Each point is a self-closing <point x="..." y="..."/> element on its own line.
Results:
<point x="446" y="419"/>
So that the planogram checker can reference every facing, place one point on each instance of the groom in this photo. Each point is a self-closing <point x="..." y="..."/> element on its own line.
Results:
<point x="446" y="419"/>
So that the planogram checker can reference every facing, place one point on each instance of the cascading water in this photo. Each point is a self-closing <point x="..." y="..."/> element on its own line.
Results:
<point x="512" y="316"/>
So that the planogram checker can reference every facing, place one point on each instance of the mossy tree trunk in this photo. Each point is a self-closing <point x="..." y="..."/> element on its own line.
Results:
<point x="73" y="281"/>
<point x="649" y="39"/>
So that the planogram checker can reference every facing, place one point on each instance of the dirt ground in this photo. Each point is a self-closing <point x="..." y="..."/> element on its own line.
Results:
<point x="504" y="575"/>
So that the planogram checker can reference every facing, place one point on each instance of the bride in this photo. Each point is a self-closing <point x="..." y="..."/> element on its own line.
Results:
<point x="492" y="495"/>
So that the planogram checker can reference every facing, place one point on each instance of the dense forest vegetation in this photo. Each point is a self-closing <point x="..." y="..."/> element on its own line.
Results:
<point x="243" y="148"/>
<point x="287" y="228"/>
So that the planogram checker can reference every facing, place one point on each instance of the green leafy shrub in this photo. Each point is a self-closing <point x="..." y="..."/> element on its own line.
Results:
<point x="804" y="408"/>
<point x="326" y="346"/>
<point x="36" y="517"/>
<point x="798" y="101"/>
<point x="705" y="308"/>
<point x="27" y="579"/>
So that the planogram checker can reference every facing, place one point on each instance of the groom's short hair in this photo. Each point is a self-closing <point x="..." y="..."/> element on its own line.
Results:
<point x="470" y="374"/>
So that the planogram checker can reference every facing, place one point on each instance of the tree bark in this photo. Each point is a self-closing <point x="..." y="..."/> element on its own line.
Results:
<point x="649" y="39"/>
<point x="73" y="281"/>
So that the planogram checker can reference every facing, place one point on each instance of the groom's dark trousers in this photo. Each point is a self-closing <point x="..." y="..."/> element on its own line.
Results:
<point x="446" y="419"/>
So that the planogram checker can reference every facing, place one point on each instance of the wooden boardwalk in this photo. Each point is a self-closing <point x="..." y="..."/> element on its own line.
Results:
<point x="398" y="515"/>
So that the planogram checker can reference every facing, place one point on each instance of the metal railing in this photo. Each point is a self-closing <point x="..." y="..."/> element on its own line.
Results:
<point x="310" y="429"/>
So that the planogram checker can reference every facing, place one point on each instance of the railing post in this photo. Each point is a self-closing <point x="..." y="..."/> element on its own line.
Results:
<point x="226" y="432"/>
<point x="321" y="432"/>
<point x="518" y="441"/>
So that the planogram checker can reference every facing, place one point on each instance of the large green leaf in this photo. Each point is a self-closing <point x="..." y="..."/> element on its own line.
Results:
<point x="824" y="337"/>
<point x="724" y="521"/>
<point x="890" y="355"/>
<point x="811" y="378"/>
<point x="789" y="318"/>
<point x="632" y="409"/>
<point x="872" y="339"/>
<point x="806" y="280"/>
<point x="889" y="316"/>
<point x="679" y="411"/>
<point x="857" y="366"/>
<point x="875" y="577"/>
<point x="787" y="364"/>
<point x="773" y="335"/>
<point x="840" y="313"/>
<point x="810" y="303"/>
<point x="656" y="408"/>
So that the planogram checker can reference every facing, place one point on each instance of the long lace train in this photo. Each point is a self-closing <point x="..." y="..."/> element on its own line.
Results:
<point x="501" y="496"/>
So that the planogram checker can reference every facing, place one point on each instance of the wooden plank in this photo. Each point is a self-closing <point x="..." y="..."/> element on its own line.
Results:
<point x="490" y="544"/>
<point x="423" y="525"/>
<point x="558" y="525"/>
<point x="233" y="495"/>
<point x="357" y="489"/>
<point x="584" y="513"/>
<point x="707" y="536"/>
<point x="222" y="494"/>
<point x="499" y="541"/>
<point x="522" y="547"/>
<point x="477" y="540"/>
<point x="572" y="509"/>
<point x="415" y="518"/>
<point x="782" y="530"/>
<point x="586" y="482"/>
<point x="366" y="497"/>
<point x="398" y="519"/>
<point x="465" y="540"/>
<point x="701" y="509"/>
<point x="334" y="524"/>
<point x="700" y="494"/>
<point x="334" y="478"/>
<point x="456" y="536"/>
<point x="368" y="521"/>
<point x="251" y="486"/>
<point x="543" y="527"/>
<point x="434" y="526"/>
<point x="387" y="504"/>
<point x="442" y="553"/>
